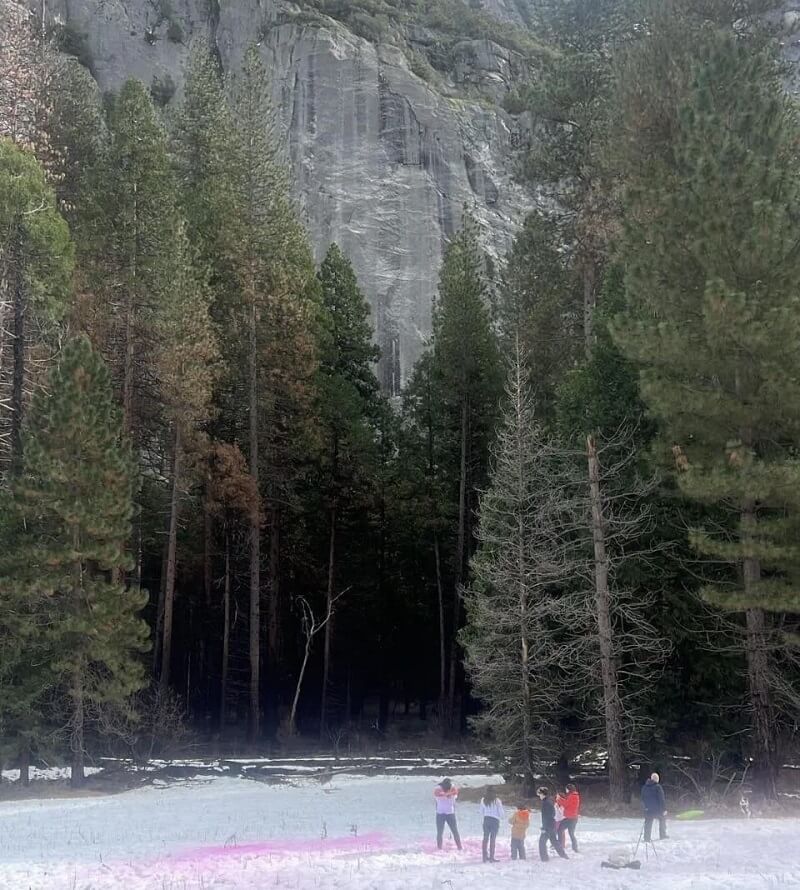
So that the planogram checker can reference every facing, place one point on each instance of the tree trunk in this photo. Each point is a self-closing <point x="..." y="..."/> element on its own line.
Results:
<point x="129" y="339"/>
<point x="326" y="658"/>
<point x="461" y="543"/>
<point x="524" y="656"/>
<point x="442" y="628"/>
<point x="19" y="356"/>
<point x="226" y="632"/>
<point x="766" y="767"/>
<point x="255" y="540"/>
<point x="298" y="688"/>
<point x="274" y="613"/>
<point x="612" y="703"/>
<point x="437" y="555"/>
<point x="208" y="546"/>
<point x="76" y="735"/>
<point x="589" y="303"/>
<point x="25" y="762"/>
<point x="169" y="582"/>
<point x="115" y="577"/>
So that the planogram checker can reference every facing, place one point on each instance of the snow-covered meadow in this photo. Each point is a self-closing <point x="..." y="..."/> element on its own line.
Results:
<point x="354" y="832"/>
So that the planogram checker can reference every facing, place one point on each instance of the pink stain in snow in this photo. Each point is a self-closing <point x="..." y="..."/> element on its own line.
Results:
<point x="374" y="842"/>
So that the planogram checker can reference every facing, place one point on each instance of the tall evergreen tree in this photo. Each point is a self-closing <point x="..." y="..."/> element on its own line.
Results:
<point x="540" y="302"/>
<point x="714" y="325"/>
<point x="349" y="407"/>
<point x="36" y="262"/>
<point x="134" y="267"/>
<point x="186" y="362"/>
<point x="72" y="507"/>
<point x="424" y="500"/>
<point x="570" y="100"/>
<point x="275" y="268"/>
<point x="468" y="375"/>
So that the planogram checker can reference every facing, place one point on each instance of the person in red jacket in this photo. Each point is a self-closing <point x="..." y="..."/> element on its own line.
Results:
<point x="571" y="804"/>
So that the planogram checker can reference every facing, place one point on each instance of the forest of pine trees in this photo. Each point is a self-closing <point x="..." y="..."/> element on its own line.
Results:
<point x="576" y="528"/>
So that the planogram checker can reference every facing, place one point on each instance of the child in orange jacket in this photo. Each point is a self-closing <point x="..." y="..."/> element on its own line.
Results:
<point x="519" y="822"/>
<point x="571" y="804"/>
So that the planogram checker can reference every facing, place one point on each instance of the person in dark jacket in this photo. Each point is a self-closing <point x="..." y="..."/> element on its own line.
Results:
<point x="549" y="826"/>
<point x="654" y="804"/>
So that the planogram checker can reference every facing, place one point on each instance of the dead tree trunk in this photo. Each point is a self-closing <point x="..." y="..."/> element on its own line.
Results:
<point x="329" y="598"/>
<point x="311" y="627"/>
<point x="612" y="703"/>
<point x="169" y="581"/>
<point x="522" y="574"/>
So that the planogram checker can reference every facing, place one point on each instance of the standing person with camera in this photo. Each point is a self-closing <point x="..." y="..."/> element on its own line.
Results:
<point x="445" y="795"/>
<point x="654" y="805"/>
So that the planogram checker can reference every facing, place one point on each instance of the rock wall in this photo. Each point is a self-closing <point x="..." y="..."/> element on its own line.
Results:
<point x="384" y="161"/>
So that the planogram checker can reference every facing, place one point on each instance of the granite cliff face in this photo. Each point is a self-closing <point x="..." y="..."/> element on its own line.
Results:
<point x="384" y="160"/>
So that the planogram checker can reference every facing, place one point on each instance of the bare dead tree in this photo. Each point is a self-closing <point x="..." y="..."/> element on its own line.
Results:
<point x="615" y="652"/>
<point x="311" y="626"/>
<point x="529" y="549"/>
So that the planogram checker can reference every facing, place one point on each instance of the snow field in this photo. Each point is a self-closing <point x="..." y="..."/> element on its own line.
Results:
<point x="357" y="833"/>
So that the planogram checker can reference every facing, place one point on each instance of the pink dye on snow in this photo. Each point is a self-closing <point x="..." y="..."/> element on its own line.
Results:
<point x="368" y="843"/>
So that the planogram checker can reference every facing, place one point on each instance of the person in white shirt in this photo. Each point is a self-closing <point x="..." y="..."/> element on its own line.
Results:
<point x="445" y="795"/>
<point x="492" y="812"/>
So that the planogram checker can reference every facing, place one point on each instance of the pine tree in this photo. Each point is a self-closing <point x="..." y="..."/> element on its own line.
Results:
<point x="350" y="407"/>
<point x="570" y="100"/>
<point x="207" y="166"/>
<point x="714" y="323"/>
<point x="275" y="268"/>
<point x="78" y="137"/>
<point x="135" y="256"/>
<point x="72" y="506"/>
<point x="186" y="363"/>
<point x="36" y="262"/>
<point x="423" y="498"/>
<point x="468" y="377"/>
<point x="541" y="302"/>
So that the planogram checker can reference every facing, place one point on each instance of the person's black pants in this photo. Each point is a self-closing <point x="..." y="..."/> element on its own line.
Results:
<point x="490" y="828"/>
<point x="517" y="848"/>
<point x="648" y="827"/>
<point x="448" y="819"/>
<point x="549" y="834"/>
<point x="568" y="825"/>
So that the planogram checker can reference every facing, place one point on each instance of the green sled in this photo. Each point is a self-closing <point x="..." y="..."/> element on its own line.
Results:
<point x="690" y="814"/>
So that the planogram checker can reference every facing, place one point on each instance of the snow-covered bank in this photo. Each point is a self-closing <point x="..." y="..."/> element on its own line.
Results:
<point x="359" y="833"/>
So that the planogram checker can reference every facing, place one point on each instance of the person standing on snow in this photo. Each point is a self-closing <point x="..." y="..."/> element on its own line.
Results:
<point x="445" y="795"/>
<point x="571" y="805"/>
<point x="654" y="804"/>
<point x="519" y="828"/>
<point x="492" y="812"/>
<point x="548" y="826"/>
